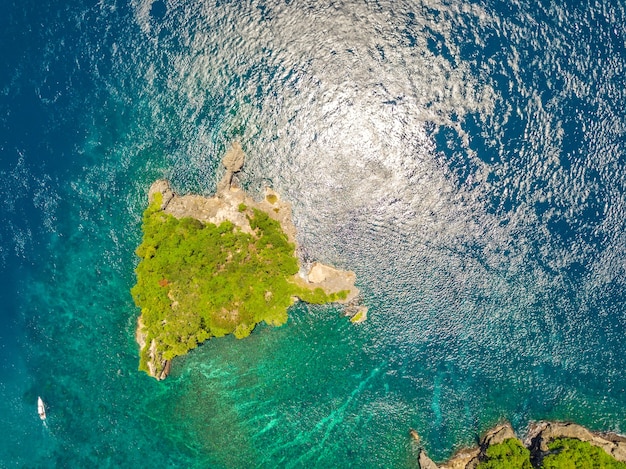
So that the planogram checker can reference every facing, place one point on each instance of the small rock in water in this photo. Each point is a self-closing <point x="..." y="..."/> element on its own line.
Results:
<point x="234" y="158"/>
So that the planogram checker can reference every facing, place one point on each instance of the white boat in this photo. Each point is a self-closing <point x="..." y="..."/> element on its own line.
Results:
<point x="41" y="408"/>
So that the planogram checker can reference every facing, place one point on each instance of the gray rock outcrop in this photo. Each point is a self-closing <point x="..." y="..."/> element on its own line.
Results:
<point x="498" y="435"/>
<point x="425" y="462"/>
<point x="233" y="162"/>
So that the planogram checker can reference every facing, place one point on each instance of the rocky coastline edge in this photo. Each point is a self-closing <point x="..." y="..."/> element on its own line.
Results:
<point x="535" y="439"/>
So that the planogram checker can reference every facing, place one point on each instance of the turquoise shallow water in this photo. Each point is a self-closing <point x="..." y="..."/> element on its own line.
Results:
<point x="466" y="160"/>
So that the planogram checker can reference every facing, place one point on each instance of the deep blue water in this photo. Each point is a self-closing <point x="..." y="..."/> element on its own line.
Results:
<point x="466" y="160"/>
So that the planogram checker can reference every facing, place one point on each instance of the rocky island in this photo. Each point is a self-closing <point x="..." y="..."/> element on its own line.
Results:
<point x="212" y="266"/>
<point x="546" y="445"/>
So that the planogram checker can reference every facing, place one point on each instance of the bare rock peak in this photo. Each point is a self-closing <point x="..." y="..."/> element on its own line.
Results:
<point x="233" y="162"/>
<point x="234" y="158"/>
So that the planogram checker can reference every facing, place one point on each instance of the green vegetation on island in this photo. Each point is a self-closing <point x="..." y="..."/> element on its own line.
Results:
<point x="564" y="453"/>
<point x="199" y="280"/>
<point x="568" y="453"/>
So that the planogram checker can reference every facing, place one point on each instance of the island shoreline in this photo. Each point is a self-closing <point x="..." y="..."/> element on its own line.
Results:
<point x="230" y="203"/>
<point x="536" y="439"/>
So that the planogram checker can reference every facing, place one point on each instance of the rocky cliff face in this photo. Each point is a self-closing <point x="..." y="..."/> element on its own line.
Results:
<point x="470" y="458"/>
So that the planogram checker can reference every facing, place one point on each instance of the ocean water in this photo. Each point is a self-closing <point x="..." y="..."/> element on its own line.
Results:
<point x="466" y="159"/>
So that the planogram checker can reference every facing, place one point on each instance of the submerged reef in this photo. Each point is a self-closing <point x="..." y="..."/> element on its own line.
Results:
<point x="212" y="266"/>
<point x="547" y="445"/>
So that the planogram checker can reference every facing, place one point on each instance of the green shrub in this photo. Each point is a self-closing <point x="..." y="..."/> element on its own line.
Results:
<point x="510" y="454"/>
<point x="569" y="453"/>
<point x="357" y="317"/>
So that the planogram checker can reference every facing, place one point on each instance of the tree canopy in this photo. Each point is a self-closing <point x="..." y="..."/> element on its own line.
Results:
<point x="564" y="453"/>
<point x="510" y="454"/>
<point x="568" y="453"/>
